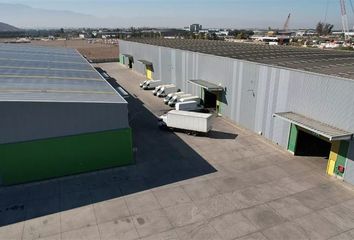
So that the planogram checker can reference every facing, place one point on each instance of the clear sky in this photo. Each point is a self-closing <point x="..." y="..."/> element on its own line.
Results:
<point x="209" y="13"/>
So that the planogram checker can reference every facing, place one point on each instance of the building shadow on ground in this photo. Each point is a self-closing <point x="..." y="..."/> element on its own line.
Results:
<point x="221" y="135"/>
<point x="161" y="158"/>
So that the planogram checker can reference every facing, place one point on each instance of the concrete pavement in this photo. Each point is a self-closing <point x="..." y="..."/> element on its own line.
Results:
<point x="230" y="185"/>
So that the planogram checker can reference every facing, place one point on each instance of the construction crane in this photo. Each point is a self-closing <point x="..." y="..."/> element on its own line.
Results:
<point x="285" y="29"/>
<point x="345" y="24"/>
<point x="286" y="24"/>
<point x="352" y="7"/>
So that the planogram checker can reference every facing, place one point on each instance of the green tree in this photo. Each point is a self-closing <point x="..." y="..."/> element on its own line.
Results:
<point x="323" y="29"/>
<point x="241" y="35"/>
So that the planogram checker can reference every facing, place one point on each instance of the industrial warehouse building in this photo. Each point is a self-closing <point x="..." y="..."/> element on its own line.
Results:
<point x="58" y="116"/>
<point x="301" y="99"/>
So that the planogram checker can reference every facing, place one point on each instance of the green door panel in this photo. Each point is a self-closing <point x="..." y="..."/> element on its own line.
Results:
<point x="121" y="59"/>
<point x="342" y="157"/>
<point x="55" y="157"/>
<point x="293" y="138"/>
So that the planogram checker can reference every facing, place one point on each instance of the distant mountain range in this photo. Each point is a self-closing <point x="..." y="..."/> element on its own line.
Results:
<point x="4" y="27"/>
<point x="28" y="17"/>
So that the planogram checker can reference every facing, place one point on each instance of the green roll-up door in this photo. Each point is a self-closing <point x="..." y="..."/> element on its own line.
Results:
<point x="121" y="59"/>
<point x="342" y="157"/>
<point x="293" y="138"/>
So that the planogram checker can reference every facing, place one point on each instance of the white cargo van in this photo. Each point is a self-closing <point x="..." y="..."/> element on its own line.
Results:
<point x="188" y="106"/>
<point x="143" y="83"/>
<point x="166" y="90"/>
<point x="157" y="89"/>
<point x="151" y="84"/>
<point x="175" y="99"/>
<point x="171" y="95"/>
<point x="186" y="99"/>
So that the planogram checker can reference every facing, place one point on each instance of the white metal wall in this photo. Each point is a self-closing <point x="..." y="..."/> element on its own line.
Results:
<point x="349" y="168"/>
<point x="25" y="121"/>
<point x="255" y="91"/>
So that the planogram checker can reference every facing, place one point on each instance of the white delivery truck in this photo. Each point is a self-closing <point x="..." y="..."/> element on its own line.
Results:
<point x="188" y="106"/>
<point x="191" y="122"/>
<point x="143" y="83"/>
<point x="157" y="89"/>
<point x="151" y="84"/>
<point x="171" y="95"/>
<point x="176" y="98"/>
<point x="166" y="90"/>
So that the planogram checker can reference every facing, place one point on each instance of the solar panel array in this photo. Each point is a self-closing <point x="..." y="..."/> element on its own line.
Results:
<point x="330" y="62"/>
<point x="32" y="73"/>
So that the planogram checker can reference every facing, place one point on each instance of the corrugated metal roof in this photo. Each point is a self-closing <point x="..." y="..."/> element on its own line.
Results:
<point x="31" y="73"/>
<point x="325" y="130"/>
<point x="329" y="62"/>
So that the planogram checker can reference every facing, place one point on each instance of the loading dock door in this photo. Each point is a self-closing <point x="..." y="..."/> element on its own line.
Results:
<point x="148" y="68"/>
<point x="211" y="94"/>
<point x="148" y="73"/>
<point x="308" y="144"/>
<point x="128" y="60"/>
<point x="333" y="158"/>
<point x="209" y="99"/>
<point x="309" y="137"/>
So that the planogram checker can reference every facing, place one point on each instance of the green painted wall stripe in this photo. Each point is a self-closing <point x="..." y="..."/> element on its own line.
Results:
<point x="49" y="158"/>
<point x="121" y="58"/>
<point x="293" y="138"/>
<point x="342" y="157"/>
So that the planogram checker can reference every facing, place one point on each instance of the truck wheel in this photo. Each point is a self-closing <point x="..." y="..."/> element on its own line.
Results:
<point x="192" y="133"/>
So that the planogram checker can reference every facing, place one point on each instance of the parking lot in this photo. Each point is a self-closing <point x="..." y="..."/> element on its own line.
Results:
<point x="229" y="185"/>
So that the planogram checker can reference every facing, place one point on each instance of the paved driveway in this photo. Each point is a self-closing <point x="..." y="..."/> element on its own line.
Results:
<point x="232" y="184"/>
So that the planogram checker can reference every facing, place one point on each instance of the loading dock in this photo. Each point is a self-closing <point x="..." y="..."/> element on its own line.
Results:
<point x="148" y="67"/>
<point x="128" y="60"/>
<point x="309" y="137"/>
<point x="310" y="144"/>
<point x="257" y="86"/>
<point x="210" y="94"/>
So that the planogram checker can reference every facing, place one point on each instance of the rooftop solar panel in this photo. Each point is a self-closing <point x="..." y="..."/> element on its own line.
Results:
<point x="31" y="73"/>
<point x="41" y="57"/>
<point x="24" y="63"/>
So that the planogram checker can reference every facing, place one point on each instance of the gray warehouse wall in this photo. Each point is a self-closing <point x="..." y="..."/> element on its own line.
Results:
<point x="24" y="121"/>
<point x="253" y="92"/>
<point x="349" y="172"/>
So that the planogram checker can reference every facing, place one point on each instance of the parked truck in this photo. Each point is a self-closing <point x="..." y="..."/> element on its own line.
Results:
<point x="151" y="84"/>
<point x="191" y="122"/>
<point x="171" y="95"/>
<point x="166" y="90"/>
